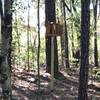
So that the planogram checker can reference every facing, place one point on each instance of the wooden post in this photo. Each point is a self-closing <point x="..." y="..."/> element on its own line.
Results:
<point x="53" y="29"/>
<point x="52" y="63"/>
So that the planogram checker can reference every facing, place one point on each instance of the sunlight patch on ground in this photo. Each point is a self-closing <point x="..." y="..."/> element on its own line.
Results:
<point x="31" y="79"/>
<point x="44" y="83"/>
<point x="94" y="83"/>
<point x="56" y="96"/>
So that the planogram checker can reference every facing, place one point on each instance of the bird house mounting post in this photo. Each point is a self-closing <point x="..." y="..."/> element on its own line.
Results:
<point x="53" y="29"/>
<point x="52" y="62"/>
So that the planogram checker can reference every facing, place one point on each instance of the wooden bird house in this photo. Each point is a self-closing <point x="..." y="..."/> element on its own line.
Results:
<point x="54" y="29"/>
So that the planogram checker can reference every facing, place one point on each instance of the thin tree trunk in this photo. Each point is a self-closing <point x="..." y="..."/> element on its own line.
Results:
<point x="66" y="53"/>
<point x="1" y="9"/>
<point x="28" y="19"/>
<point x="95" y="34"/>
<point x="72" y="39"/>
<point x="72" y="28"/>
<point x="85" y="29"/>
<point x="38" y="56"/>
<point x="62" y="37"/>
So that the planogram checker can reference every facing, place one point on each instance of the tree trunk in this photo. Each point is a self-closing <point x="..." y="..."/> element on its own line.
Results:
<point x="6" y="30"/>
<point x="28" y="44"/>
<point x="51" y="17"/>
<point x="95" y="34"/>
<point x="38" y="56"/>
<point x="85" y="29"/>
<point x="66" y="51"/>
<point x="62" y="37"/>
<point x="72" y="29"/>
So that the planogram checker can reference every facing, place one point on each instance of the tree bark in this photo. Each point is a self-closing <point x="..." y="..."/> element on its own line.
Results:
<point x="66" y="51"/>
<point x="85" y="29"/>
<point x="28" y="32"/>
<point x="51" y="17"/>
<point x="6" y="30"/>
<point x="38" y="56"/>
<point x="95" y="34"/>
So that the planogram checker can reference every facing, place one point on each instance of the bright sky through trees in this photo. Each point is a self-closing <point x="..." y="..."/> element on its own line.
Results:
<point x="33" y="15"/>
<point x="23" y="13"/>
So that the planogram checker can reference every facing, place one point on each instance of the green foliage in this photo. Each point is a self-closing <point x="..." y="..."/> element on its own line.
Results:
<point x="73" y="26"/>
<point x="95" y="73"/>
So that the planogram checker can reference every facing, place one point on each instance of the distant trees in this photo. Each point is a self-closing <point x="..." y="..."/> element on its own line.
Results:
<point x="50" y="15"/>
<point x="85" y="29"/>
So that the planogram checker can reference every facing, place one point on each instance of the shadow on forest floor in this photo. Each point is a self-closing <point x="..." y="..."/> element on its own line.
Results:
<point x="25" y="86"/>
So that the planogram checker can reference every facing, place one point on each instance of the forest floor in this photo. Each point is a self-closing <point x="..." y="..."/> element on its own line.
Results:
<point x="25" y="85"/>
